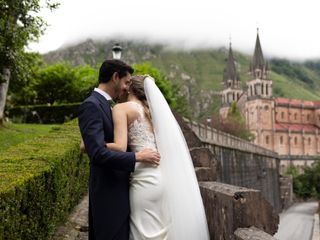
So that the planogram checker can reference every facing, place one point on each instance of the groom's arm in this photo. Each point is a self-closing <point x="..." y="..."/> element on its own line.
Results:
<point x="91" y="127"/>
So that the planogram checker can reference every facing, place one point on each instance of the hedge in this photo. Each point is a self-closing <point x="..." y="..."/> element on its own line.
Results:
<point x="41" y="180"/>
<point x="43" y="113"/>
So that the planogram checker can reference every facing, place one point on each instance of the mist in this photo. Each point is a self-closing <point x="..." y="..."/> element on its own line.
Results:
<point x="287" y="28"/>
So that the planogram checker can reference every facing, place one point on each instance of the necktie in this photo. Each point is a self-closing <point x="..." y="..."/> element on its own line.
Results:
<point x="111" y="102"/>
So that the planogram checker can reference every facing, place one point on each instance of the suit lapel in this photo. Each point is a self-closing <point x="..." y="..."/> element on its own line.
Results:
<point x="104" y="105"/>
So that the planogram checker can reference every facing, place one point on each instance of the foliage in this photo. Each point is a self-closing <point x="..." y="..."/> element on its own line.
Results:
<point x="306" y="184"/>
<point x="292" y="70"/>
<point x="41" y="181"/>
<point x="13" y="134"/>
<point x="162" y="82"/>
<point x="169" y="90"/>
<point x="22" y="90"/>
<point x="44" y="113"/>
<point x="234" y="124"/>
<point x="19" y="24"/>
<point x="54" y="84"/>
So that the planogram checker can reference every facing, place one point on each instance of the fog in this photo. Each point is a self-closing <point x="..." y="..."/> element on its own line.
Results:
<point x="287" y="28"/>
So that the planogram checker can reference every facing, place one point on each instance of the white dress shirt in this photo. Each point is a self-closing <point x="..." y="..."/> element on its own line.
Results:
<point x="103" y="93"/>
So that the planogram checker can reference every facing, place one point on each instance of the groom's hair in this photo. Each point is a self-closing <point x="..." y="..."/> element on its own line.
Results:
<point x="109" y="67"/>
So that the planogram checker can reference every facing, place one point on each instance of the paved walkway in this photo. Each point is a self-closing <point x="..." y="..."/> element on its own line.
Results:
<point x="76" y="228"/>
<point x="296" y="223"/>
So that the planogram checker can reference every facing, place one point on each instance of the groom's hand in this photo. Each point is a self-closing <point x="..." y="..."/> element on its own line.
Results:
<point x="148" y="156"/>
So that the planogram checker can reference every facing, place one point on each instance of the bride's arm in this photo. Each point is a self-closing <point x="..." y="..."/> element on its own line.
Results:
<point x="120" y="123"/>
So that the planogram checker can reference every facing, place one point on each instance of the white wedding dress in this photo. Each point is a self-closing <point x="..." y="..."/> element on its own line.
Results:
<point x="165" y="201"/>
<point x="148" y="220"/>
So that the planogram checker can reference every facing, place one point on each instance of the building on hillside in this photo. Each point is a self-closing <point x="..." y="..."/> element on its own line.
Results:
<point x="290" y="127"/>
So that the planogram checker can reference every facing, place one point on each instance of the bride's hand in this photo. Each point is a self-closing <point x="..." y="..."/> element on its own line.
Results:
<point x="148" y="156"/>
<point x="82" y="147"/>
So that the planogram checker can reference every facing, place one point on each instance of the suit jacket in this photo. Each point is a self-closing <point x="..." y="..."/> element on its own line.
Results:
<point x="109" y="171"/>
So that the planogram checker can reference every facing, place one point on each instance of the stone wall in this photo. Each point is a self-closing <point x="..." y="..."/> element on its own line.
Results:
<point x="233" y="212"/>
<point x="240" y="162"/>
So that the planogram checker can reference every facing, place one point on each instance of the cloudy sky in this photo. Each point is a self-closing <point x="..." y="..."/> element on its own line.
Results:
<point x="288" y="28"/>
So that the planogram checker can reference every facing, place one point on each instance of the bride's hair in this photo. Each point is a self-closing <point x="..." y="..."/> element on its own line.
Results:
<point x="137" y="89"/>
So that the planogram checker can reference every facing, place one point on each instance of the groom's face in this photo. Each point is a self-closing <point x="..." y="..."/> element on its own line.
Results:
<point x="122" y="87"/>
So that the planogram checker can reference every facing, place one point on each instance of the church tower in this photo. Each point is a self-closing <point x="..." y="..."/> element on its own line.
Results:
<point x="260" y="86"/>
<point x="259" y="106"/>
<point x="232" y="89"/>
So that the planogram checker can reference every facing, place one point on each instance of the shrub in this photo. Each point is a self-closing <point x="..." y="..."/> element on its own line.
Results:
<point x="41" y="181"/>
<point x="43" y="113"/>
<point x="306" y="184"/>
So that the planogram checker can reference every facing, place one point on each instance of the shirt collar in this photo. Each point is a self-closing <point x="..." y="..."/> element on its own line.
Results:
<point x="103" y="93"/>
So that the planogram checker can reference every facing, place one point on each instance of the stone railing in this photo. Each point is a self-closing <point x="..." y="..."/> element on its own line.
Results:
<point x="233" y="212"/>
<point x="216" y="137"/>
<point x="240" y="162"/>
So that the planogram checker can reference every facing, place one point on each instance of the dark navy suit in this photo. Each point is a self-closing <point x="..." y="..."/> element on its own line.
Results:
<point x="109" y="172"/>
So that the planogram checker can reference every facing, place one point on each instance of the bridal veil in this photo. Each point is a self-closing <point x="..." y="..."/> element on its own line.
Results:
<point x="186" y="210"/>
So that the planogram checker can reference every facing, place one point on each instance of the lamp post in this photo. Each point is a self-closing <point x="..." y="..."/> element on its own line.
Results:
<point x="116" y="51"/>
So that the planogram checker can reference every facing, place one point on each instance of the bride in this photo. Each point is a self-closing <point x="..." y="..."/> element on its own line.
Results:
<point x="165" y="200"/>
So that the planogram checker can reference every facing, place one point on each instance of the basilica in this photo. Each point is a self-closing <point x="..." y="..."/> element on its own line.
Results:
<point x="290" y="127"/>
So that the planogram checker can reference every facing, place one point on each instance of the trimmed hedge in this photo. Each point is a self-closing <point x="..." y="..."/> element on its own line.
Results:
<point x="41" y="180"/>
<point x="43" y="113"/>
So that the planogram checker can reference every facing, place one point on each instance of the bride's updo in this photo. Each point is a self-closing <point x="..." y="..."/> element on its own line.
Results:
<point x="137" y="89"/>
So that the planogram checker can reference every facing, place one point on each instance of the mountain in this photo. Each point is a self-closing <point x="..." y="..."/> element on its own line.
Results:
<point x="198" y="72"/>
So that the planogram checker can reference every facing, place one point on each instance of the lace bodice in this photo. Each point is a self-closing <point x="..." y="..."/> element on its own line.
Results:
<point x="139" y="132"/>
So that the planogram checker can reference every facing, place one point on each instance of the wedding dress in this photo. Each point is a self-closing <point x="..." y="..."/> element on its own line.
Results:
<point x="165" y="201"/>
<point x="149" y="214"/>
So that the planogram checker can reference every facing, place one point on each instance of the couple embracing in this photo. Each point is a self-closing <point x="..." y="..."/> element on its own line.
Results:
<point x="142" y="180"/>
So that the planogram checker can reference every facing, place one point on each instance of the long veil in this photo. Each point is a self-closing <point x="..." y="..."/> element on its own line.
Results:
<point x="187" y="215"/>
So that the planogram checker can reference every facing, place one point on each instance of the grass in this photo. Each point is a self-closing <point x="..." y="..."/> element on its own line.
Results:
<point x="13" y="134"/>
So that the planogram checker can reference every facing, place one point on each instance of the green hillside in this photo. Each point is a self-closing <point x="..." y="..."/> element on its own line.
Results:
<point x="199" y="72"/>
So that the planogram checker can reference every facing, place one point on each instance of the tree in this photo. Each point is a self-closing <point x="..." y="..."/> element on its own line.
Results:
<point x="307" y="183"/>
<point x="234" y="124"/>
<point x="19" y="24"/>
<point x="22" y="90"/>
<point x="62" y="83"/>
<point x="170" y="91"/>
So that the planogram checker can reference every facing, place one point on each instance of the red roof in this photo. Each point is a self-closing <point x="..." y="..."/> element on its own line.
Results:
<point x="296" y="127"/>
<point x="297" y="102"/>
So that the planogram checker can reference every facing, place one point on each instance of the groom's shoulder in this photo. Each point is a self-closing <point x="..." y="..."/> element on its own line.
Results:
<point x="91" y="100"/>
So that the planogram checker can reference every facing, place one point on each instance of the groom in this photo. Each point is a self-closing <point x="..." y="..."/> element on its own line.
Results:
<point x="109" y="170"/>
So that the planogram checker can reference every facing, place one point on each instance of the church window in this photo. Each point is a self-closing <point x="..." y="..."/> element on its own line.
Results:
<point x="266" y="107"/>
<point x="262" y="88"/>
<point x="282" y="115"/>
<point x="281" y="139"/>
<point x="267" y="89"/>
<point x="295" y="140"/>
<point x="255" y="90"/>
<point x="251" y="91"/>
<point x="267" y="139"/>
<point x="308" y="117"/>
<point x="295" y="116"/>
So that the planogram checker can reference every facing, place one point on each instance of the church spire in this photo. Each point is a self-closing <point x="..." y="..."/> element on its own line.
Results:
<point x="230" y="76"/>
<point x="258" y="66"/>
<point x="258" y="60"/>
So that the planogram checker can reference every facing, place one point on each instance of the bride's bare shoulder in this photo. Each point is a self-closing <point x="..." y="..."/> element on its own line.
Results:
<point x="126" y="106"/>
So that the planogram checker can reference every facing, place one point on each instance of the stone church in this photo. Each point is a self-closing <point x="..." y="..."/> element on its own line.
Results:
<point x="290" y="127"/>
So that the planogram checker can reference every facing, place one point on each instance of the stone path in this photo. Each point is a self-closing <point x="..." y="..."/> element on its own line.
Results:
<point x="76" y="227"/>
<point x="297" y="222"/>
